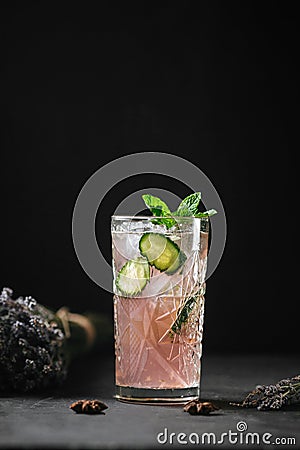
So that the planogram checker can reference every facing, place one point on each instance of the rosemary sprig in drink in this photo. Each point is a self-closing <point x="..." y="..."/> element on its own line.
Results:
<point x="183" y="314"/>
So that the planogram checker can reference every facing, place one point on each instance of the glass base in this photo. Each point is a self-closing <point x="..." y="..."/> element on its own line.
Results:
<point x="156" y="396"/>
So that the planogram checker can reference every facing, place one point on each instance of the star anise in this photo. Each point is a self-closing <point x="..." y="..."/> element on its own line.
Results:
<point x="88" y="407"/>
<point x="197" y="408"/>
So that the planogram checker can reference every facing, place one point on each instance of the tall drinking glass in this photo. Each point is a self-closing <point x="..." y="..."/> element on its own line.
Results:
<point x="159" y="285"/>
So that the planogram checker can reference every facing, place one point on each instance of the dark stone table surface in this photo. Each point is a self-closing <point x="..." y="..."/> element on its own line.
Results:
<point x="45" y="421"/>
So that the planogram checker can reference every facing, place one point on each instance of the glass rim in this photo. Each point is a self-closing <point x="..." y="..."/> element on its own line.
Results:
<point x="120" y="217"/>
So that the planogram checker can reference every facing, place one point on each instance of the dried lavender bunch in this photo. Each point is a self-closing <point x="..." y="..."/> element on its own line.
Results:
<point x="273" y="396"/>
<point x="36" y="345"/>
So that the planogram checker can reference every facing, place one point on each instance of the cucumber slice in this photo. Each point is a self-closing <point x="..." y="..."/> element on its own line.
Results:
<point x="161" y="252"/>
<point x="133" y="276"/>
<point x="179" y="261"/>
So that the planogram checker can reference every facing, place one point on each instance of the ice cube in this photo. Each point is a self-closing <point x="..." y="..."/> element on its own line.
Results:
<point x="159" y="283"/>
<point x="127" y="244"/>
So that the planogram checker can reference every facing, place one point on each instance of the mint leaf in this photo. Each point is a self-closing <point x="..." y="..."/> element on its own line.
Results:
<point x="169" y="223"/>
<point x="209" y="213"/>
<point x="156" y="205"/>
<point x="189" y="205"/>
<point x="159" y="209"/>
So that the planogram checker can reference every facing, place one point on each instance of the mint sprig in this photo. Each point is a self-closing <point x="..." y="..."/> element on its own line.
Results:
<point x="189" y="207"/>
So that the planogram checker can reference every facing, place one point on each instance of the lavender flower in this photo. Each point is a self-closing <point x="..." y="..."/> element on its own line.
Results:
<point x="36" y="347"/>
<point x="273" y="396"/>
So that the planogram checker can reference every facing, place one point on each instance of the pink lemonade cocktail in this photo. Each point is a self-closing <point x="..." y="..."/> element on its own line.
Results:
<point x="159" y="286"/>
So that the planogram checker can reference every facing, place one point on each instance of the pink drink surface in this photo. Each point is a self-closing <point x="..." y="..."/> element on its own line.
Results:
<point x="149" y="354"/>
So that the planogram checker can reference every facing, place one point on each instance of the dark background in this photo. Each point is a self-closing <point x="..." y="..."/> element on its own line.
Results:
<point x="217" y="85"/>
